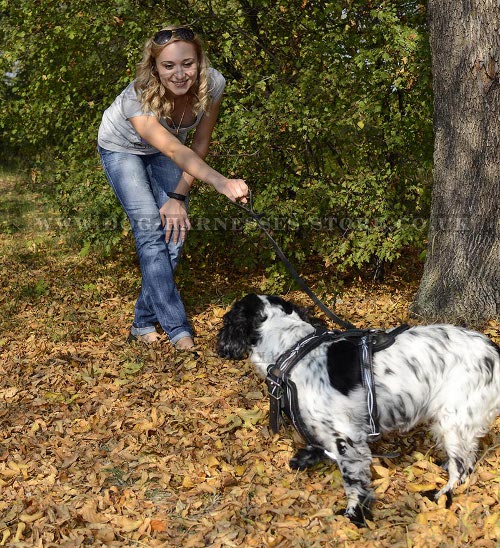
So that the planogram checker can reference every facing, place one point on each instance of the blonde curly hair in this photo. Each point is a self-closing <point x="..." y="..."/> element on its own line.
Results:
<point x="153" y="94"/>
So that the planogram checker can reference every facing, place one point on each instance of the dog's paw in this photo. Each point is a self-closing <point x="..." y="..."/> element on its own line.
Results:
<point x="307" y="457"/>
<point x="358" y="515"/>
<point x="432" y="494"/>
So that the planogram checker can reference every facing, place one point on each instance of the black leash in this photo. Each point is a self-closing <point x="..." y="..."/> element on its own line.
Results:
<point x="302" y="284"/>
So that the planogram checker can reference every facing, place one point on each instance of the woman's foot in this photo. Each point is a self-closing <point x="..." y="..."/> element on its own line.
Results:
<point x="147" y="338"/>
<point x="185" y="343"/>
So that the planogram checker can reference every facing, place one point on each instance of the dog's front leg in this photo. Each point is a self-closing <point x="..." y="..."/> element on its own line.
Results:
<point x="354" y="459"/>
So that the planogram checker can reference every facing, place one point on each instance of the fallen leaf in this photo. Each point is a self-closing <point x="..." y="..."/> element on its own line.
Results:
<point x="158" y="525"/>
<point x="120" y="444"/>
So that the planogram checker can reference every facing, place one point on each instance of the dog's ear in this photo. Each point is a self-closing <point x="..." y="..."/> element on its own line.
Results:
<point x="286" y="306"/>
<point x="239" y="332"/>
<point x="306" y="314"/>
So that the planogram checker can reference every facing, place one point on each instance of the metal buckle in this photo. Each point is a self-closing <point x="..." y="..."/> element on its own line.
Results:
<point x="274" y="382"/>
<point x="274" y="388"/>
<point x="277" y="397"/>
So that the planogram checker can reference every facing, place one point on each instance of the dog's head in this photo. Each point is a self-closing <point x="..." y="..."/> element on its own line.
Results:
<point x="243" y="324"/>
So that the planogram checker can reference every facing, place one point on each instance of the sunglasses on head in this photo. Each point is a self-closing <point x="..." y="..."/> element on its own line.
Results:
<point x="164" y="36"/>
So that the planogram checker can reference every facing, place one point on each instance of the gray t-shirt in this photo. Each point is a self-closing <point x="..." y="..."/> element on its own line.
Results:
<point x="116" y="133"/>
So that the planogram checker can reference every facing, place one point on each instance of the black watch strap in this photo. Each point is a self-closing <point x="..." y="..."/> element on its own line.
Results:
<point x="175" y="196"/>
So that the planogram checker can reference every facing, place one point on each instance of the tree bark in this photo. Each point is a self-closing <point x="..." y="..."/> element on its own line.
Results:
<point x="461" y="279"/>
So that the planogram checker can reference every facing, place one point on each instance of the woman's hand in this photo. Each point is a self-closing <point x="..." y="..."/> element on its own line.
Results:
<point x="234" y="189"/>
<point x="175" y="219"/>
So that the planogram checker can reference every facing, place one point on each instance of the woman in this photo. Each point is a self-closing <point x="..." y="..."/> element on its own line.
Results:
<point x="141" y="144"/>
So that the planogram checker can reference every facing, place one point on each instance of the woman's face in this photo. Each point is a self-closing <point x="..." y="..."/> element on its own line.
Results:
<point x="177" y="67"/>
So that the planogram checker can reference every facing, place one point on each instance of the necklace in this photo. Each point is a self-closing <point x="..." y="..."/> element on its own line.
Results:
<point x="177" y="129"/>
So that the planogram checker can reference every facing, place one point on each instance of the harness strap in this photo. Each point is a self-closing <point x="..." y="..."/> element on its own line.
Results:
<point x="292" y="411"/>
<point x="369" y="385"/>
<point x="274" y="386"/>
<point x="278" y="381"/>
<point x="372" y="342"/>
<point x="283" y="392"/>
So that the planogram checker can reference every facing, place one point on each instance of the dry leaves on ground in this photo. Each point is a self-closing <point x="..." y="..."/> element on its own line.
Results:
<point x="105" y="443"/>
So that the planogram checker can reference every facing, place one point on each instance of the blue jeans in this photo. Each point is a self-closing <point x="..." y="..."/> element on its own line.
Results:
<point x="141" y="184"/>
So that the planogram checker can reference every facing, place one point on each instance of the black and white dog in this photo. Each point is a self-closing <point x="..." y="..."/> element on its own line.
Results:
<point x="444" y="375"/>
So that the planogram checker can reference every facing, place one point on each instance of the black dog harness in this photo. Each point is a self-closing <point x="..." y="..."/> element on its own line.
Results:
<point x="283" y="392"/>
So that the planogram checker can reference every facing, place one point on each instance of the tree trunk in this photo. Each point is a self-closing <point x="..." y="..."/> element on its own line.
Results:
<point x="461" y="279"/>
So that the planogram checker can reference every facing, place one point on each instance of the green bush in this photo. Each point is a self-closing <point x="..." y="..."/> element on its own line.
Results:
<point x="327" y="115"/>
